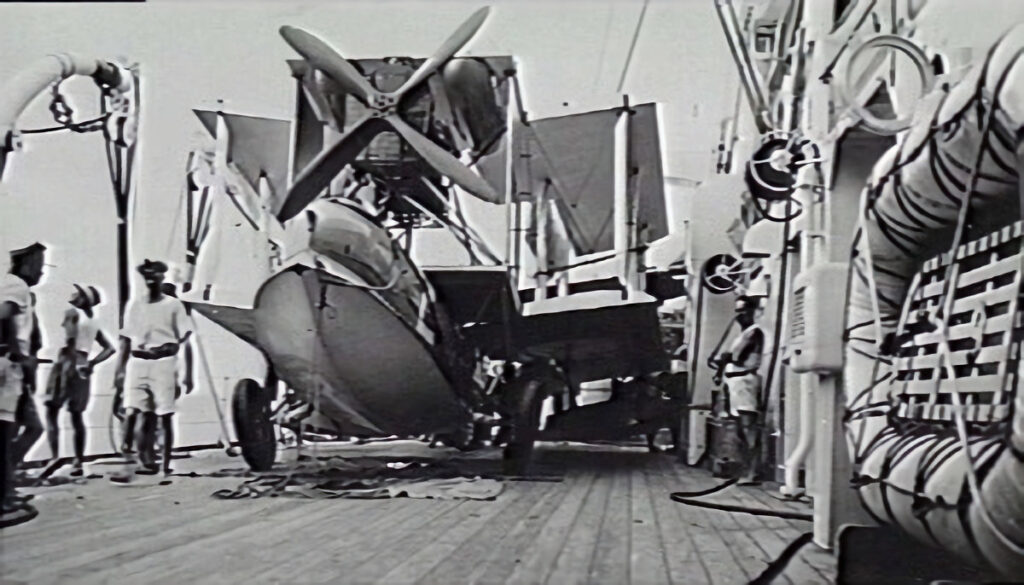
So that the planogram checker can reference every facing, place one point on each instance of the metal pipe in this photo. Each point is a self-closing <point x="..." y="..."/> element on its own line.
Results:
<point x="805" y="440"/>
<point x="749" y="75"/>
<point x="806" y="177"/>
<point x="21" y="89"/>
<point x="541" y="217"/>
<point x="620" y="209"/>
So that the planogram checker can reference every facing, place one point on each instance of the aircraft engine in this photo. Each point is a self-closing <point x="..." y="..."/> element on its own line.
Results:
<point x="471" y="93"/>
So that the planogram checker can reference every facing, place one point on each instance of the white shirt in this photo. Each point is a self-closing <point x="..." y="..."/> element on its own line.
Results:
<point x="15" y="290"/>
<point x="752" y="363"/>
<point x="149" y="325"/>
<point x="81" y="328"/>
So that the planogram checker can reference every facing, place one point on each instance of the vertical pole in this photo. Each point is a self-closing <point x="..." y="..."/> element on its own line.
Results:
<point x="123" y="277"/>
<point x="621" y="201"/>
<point x="541" y="218"/>
<point x="222" y="141"/>
<point x="123" y="197"/>
<point x="293" y="151"/>
<point x="513" y="210"/>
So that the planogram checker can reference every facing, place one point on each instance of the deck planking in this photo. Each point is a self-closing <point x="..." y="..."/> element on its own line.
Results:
<point x="608" y="521"/>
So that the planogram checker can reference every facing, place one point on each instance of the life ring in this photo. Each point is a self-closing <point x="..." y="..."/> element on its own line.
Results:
<point x="870" y="121"/>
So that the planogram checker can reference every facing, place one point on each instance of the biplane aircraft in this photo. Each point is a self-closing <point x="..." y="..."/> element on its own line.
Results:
<point x="319" y="276"/>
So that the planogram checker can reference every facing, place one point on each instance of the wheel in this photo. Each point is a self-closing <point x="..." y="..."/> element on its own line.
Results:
<point x="721" y="274"/>
<point x="460" y="438"/>
<point x="251" y="410"/>
<point x="524" y="398"/>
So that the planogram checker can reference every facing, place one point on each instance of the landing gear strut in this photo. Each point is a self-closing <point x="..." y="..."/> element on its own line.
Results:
<point x="523" y="399"/>
<point x="250" y="406"/>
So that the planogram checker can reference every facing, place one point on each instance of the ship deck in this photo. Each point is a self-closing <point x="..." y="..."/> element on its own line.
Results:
<point x="600" y="514"/>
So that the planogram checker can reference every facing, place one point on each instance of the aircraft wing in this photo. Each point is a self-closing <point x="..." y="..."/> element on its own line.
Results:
<point x="576" y="154"/>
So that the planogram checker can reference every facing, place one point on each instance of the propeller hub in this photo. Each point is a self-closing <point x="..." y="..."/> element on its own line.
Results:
<point x="384" y="102"/>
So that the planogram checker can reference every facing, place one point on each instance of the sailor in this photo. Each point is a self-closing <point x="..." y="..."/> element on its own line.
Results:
<point x="155" y="329"/>
<point x="70" y="377"/>
<point x="24" y="263"/>
<point x="17" y="365"/>
<point x="743" y="382"/>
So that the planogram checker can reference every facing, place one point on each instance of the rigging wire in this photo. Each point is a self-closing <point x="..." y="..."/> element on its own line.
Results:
<point x="632" y="47"/>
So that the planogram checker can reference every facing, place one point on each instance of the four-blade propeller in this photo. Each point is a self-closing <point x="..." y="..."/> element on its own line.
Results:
<point x="384" y="105"/>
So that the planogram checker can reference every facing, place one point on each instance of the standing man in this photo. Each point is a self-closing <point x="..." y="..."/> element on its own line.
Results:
<point x="27" y="264"/>
<point x="71" y="376"/>
<point x="743" y="382"/>
<point x="155" y="329"/>
<point x="17" y="363"/>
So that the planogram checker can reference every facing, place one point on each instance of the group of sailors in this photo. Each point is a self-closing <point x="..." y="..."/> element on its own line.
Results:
<point x="156" y="328"/>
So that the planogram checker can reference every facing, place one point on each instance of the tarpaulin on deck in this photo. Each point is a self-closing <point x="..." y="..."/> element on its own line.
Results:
<point x="365" y="478"/>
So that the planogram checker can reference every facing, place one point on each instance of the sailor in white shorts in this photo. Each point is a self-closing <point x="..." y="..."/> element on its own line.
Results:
<point x="155" y="328"/>
<point x="743" y="382"/>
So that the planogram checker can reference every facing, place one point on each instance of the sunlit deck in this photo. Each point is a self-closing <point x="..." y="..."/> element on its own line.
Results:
<point x="609" y="520"/>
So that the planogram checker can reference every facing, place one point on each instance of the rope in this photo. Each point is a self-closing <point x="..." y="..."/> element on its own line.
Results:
<point x="827" y="74"/>
<point x="79" y="127"/>
<point x="632" y="47"/>
<point x="952" y="275"/>
<point x="903" y="437"/>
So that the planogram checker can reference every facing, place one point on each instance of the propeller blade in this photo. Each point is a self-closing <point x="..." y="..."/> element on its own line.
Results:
<point x="459" y="38"/>
<point x="319" y="173"/>
<point x="444" y="161"/>
<point x="326" y="59"/>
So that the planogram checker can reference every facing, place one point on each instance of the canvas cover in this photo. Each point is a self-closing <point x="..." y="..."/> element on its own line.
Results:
<point x="575" y="154"/>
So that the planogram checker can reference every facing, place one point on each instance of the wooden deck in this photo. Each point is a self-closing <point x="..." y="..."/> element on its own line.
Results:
<point x="609" y="520"/>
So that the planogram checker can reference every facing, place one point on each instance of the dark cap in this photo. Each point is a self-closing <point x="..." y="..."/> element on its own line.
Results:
<point x="35" y="247"/>
<point x="747" y="303"/>
<point x="91" y="294"/>
<point x="150" y="267"/>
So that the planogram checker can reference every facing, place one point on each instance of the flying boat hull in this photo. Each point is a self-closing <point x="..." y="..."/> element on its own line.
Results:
<point x="376" y="359"/>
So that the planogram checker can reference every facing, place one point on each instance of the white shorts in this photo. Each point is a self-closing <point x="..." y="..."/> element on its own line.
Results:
<point x="11" y="379"/>
<point x="744" y="392"/>
<point x="150" y="385"/>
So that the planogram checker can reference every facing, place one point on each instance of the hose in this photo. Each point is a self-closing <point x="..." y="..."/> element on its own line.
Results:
<point x="681" y="499"/>
<point x="708" y="491"/>
<point x="775" y="568"/>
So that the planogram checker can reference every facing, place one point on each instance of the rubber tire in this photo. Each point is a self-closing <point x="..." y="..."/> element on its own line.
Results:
<point x="250" y="408"/>
<point x="529" y="391"/>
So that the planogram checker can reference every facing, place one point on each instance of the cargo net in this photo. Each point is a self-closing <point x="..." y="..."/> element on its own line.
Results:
<point x="985" y="332"/>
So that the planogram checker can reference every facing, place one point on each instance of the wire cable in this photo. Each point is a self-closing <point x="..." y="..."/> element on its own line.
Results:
<point x="632" y="47"/>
